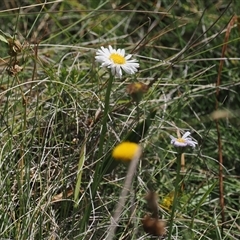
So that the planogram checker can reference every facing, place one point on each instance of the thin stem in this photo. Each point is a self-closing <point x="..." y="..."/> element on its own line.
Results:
<point x="125" y="190"/>
<point x="97" y="177"/>
<point x="105" y="117"/>
<point x="176" y="194"/>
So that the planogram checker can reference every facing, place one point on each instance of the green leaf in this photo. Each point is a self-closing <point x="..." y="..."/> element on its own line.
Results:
<point x="79" y="173"/>
<point x="6" y="34"/>
<point x="3" y="39"/>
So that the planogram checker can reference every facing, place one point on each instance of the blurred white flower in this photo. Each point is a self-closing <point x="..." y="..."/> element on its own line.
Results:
<point x="183" y="141"/>
<point x="116" y="60"/>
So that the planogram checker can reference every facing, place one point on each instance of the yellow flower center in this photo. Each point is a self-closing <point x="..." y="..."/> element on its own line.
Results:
<point x="181" y="140"/>
<point x="117" y="59"/>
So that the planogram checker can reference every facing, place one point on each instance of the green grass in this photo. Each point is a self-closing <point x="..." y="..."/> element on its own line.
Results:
<point x="60" y="118"/>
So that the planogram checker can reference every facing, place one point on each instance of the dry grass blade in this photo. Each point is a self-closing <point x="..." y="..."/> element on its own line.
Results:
<point x="123" y="196"/>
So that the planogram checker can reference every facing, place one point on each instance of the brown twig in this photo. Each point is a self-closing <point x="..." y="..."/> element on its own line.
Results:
<point x="220" y="155"/>
<point x="183" y="171"/>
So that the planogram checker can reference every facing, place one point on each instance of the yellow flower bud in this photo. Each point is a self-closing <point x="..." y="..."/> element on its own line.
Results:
<point x="125" y="151"/>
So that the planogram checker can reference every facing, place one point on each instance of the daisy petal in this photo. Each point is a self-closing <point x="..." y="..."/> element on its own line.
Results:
<point x="186" y="134"/>
<point x="183" y="141"/>
<point x="116" y="60"/>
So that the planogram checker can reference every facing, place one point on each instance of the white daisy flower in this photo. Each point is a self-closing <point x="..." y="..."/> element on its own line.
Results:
<point x="183" y="141"/>
<point x="117" y="61"/>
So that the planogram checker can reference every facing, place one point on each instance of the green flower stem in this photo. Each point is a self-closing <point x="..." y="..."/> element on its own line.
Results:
<point x="104" y="120"/>
<point x="97" y="175"/>
<point x="176" y="193"/>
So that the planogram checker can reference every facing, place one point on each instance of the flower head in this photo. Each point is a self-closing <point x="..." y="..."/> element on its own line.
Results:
<point x="125" y="151"/>
<point x="168" y="201"/>
<point x="136" y="90"/>
<point x="183" y="141"/>
<point x="116" y="60"/>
